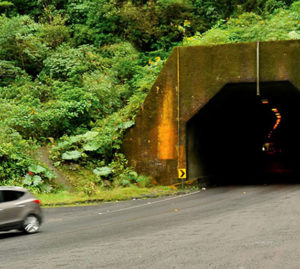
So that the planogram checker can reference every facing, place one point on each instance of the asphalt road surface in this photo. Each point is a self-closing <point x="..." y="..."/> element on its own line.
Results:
<point x="229" y="227"/>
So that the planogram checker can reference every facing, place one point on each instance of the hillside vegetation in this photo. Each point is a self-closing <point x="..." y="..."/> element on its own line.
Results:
<point x="73" y="75"/>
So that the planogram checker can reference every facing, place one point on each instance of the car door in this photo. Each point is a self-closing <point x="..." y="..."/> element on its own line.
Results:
<point x="10" y="209"/>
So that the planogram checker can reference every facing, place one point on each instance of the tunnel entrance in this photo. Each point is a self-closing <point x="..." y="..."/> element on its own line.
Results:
<point x="240" y="138"/>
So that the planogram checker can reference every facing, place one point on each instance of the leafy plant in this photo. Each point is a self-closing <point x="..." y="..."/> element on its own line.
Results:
<point x="143" y="181"/>
<point x="280" y="25"/>
<point x="102" y="171"/>
<point x="39" y="178"/>
<point x="14" y="154"/>
<point x="69" y="63"/>
<point x="54" y="31"/>
<point x="71" y="155"/>
<point x="19" y="42"/>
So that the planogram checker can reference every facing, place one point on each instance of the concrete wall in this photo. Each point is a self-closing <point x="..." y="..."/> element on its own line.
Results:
<point x="156" y="144"/>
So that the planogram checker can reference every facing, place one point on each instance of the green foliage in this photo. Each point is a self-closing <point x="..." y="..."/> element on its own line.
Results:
<point x="280" y="25"/>
<point x="26" y="112"/>
<point x="125" y="176"/>
<point x="35" y="8"/>
<point x="39" y="178"/>
<point x="71" y="155"/>
<point x="9" y="72"/>
<point x="14" y="157"/>
<point x="29" y="7"/>
<point x="158" y="28"/>
<point x="53" y="31"/>
<point x="146" y="75"/>
<point x="52" y="105"/>
<point x="77" y="11"/>
<point x="122" y="60"/>
<point x="70" y="63"/>
<point x="88" y="28"/>
<point x="19" y="43"/>
<point x="143" y="181"/>
<point x="272" y="5"/>
<point x="103" y="142"/>
<point x="5" y="4"/>
<point x="84" y="147"/>
<point x="295" y="7"/>
<point x="213" y="11"/>
<point x="102" y="171"/>
<point x="263" y="5"/>
<point x="17" y="166"/>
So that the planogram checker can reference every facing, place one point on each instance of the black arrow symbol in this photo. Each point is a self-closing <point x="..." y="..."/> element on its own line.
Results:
<point x="182" y="173"/>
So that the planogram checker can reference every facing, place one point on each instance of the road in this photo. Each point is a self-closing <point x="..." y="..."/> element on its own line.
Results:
<point x="228" y="227"/>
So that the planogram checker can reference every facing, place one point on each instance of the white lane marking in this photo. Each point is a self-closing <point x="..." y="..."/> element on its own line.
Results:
<point x="147" y="204"/>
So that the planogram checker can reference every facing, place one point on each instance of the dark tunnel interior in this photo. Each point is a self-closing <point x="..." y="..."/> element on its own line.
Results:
<point x="241" y="138"/>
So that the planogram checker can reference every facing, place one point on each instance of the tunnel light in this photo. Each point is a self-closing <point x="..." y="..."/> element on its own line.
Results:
<point x="269" y="148"/>
<point x="277" y="122"/>
<point x="265" y="101"/>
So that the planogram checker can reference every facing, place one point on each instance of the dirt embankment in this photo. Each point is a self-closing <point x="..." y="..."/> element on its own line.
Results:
<point x="44" y="155"/>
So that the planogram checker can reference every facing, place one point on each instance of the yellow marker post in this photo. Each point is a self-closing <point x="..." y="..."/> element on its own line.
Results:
<point x="182" y="176"/>
<point x="182" y="173"/>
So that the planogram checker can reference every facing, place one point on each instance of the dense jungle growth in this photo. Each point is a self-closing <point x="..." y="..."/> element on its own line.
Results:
<point x="73" y="74"/>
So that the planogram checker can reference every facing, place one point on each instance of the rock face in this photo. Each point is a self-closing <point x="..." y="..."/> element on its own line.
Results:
<point x="157" y="144"/>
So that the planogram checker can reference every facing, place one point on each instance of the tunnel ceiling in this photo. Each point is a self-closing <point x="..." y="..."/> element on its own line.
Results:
<point x="202" y="114"/>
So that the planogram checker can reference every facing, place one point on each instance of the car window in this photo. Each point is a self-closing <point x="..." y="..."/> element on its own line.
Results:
<point x="1" y="198"/>
<point x="8" y="196"/>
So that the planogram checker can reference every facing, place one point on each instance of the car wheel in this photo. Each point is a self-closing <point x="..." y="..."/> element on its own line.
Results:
<point x="31" y="224"/>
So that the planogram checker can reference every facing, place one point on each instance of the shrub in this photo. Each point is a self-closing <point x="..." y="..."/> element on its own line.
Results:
<point x="17" y="167"/>
<point x="280" y="25"/>
<point x="39" y="179"/>
<point x="14" y="150"/>
<point x="19" y="42"/>
<point x="9" y="72"/>
<point x="272" y="5"/>
<point x="37" y="110"/>
<point x="87" y="27"/>
<point x="102" y="141"/>
<point x="70" y="63"/>
<point x="122" y="59"/>
<point x="54" y="32"/>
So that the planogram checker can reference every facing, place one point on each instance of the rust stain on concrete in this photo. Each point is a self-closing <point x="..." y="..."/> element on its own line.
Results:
<point x="166" y="126"/>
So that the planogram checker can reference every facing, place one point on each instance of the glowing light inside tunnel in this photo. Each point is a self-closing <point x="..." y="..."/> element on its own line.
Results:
<point x="277" y="122"/>
<point x="269" y="146"/>
<point x="278" y="118"/>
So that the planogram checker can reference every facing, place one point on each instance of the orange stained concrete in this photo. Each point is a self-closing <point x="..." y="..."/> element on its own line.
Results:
<point x="166" y="127"/>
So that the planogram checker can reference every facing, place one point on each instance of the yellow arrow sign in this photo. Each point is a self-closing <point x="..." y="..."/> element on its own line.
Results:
<point x="181" y="173"/>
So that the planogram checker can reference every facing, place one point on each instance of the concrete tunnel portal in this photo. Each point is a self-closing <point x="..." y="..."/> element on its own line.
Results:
<point x="241" y="138"/>
<point x="203" y="116"/>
